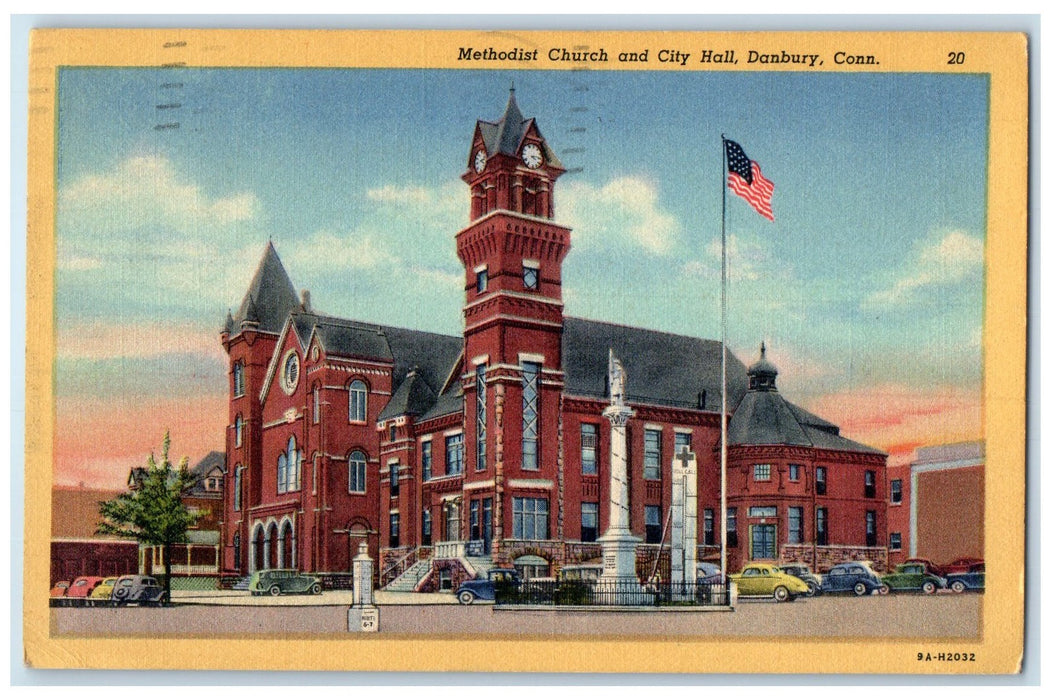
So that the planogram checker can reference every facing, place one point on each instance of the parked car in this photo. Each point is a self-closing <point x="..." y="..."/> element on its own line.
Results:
<point x="962" y="565"/>
<point x="485" y="588"/>
<point x="58" y="593"/>
<point x="103" y="592"/>
<point x="81" y="589"/>
<point x="138" y="590"/>
<point x="277" y="581"/>
<point x="707" y="572"/>
<point x="855" y="577"/>
<point x="972" y="580"/>
<point x="931" y="566"/>
<point x="804" y="574"/>
<point x="913" y="577"/>
<point x="768" y="580"/>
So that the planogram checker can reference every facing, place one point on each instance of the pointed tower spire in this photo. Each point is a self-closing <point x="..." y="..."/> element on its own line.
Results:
<point x="271" y="294"/>
<point x="251" y="315"/>
<point x="228" y="324"/>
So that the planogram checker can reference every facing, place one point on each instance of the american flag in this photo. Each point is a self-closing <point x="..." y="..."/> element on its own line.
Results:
<point x="746" y="180"/>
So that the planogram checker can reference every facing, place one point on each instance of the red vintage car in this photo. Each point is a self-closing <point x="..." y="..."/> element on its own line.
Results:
<point x="82" y="587"/>
<point x="58" y="592"/>
<point x="932" y="568"/>
<point x="962" y="565"/>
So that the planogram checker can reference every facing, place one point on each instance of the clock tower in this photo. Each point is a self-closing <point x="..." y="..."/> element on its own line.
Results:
<point x="512" y="252"/>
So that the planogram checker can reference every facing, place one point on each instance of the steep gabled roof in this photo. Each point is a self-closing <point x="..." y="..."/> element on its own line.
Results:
<point x="662" y="368"/>
<point x="505" y="136"/>
<point x="412" y="398"/>
<point x="270" y="296"/>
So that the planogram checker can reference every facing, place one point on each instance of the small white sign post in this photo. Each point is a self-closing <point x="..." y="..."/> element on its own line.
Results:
<point x="363" y="615"/>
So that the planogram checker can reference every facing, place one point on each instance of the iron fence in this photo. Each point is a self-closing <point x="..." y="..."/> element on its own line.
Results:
<point x="595" y="593"/>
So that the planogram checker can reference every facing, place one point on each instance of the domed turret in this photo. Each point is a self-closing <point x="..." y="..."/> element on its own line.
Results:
<point x="762" y="376"/>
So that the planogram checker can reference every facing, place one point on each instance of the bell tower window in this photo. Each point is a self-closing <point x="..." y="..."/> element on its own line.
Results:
<point x="530" y="275"/>
<point x="530" y="415"/>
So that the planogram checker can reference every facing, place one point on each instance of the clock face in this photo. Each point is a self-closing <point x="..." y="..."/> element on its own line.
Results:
<point x="532" y="156"/>
<point x="479" y="160"/>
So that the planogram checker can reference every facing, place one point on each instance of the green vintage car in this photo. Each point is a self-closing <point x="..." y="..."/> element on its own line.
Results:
<point x="913" y="577"/>
<point x="278" y="581"/>
<point x="768" y="580"/>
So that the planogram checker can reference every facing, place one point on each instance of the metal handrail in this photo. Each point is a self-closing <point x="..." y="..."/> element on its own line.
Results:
<point x="386" y="577"/>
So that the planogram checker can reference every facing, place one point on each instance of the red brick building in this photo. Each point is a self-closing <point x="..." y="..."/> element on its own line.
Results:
<point x="447" y="454"/>
<point x="940" y="514"/>
<point x="75" y="548"/>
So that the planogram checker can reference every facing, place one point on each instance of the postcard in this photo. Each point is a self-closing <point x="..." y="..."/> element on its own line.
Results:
<point x="526" y="351"/>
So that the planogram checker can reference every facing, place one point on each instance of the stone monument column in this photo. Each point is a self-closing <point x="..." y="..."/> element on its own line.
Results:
<point x="618" y="544"/>
<point x="684" y="522"/>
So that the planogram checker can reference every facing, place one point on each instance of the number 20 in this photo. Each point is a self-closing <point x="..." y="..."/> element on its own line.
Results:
<point x="956" y="58"/>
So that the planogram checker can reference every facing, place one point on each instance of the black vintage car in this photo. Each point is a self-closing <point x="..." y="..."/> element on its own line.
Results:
<point x="803" y="572"/>
<point x="283" y="581"/>
<point x="135" y="589"/>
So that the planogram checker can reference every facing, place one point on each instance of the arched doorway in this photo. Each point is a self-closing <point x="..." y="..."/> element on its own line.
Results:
<point x="288" y="558"/>
<point x="272" y="561"/>
<point x="258" y="557"/>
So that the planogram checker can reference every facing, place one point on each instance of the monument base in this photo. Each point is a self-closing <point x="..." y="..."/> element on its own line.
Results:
<point x="364" y="618"/>
<point x="619" y="584"/>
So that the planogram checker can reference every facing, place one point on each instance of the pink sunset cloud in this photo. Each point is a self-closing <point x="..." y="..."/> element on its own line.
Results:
<point x="898" y="418"/>
<point x="98" y="441"/>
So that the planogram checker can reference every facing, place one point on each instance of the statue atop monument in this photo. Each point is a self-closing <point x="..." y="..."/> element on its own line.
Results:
<point x="618" y="380"/>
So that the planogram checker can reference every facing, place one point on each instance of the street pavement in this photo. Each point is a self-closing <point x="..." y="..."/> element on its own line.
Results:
<point x="893" y="616"/>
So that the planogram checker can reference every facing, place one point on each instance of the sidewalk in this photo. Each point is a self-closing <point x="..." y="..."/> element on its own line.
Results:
<point x="326" y="598"/>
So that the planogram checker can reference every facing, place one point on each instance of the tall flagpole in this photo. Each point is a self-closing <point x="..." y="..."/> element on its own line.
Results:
<point x="722" y="438"/>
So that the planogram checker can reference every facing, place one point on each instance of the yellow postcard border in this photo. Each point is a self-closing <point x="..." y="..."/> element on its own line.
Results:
<point x="1003" y="56"/>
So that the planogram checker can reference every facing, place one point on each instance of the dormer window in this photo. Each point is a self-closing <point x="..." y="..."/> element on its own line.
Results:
<point x="530" y="275"/>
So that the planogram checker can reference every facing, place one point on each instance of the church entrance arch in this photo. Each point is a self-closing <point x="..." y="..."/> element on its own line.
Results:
<point x="271" y="561"/>
<point x="287" y="559"/>
<point x="257" y="549"/>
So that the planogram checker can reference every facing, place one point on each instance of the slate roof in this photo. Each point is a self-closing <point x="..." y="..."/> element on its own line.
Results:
<point x="764" y="417"/>
<point x="200" y="471"/>
<point x="270" y="296"/>
<point x="412" y="398"/>
<point x="662" y="368"/>
<point x="505" y="136"/>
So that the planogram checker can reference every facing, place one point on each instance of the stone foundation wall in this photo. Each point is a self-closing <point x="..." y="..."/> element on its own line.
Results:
<point x="821" y="559"/>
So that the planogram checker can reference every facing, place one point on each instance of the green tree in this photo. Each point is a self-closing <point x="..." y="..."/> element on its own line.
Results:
<point x="153" y="512"/>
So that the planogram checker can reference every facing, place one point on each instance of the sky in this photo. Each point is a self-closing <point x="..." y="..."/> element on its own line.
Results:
<point x="867" y="288"/>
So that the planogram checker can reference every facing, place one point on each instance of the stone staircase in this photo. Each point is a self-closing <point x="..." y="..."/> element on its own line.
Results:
<point x="406" y="583"/>
<point x="481" y="565"/>
<point x="241" y="584"/>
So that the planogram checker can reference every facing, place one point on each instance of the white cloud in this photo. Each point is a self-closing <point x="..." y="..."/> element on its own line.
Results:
<point x="625" y="209"/>
<point x="412" y="194"/>
<point x="147" y="196"/>
<point x="79" y="263"/>
<point x="329" y="251"/>
<point x="953" y="258"/>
